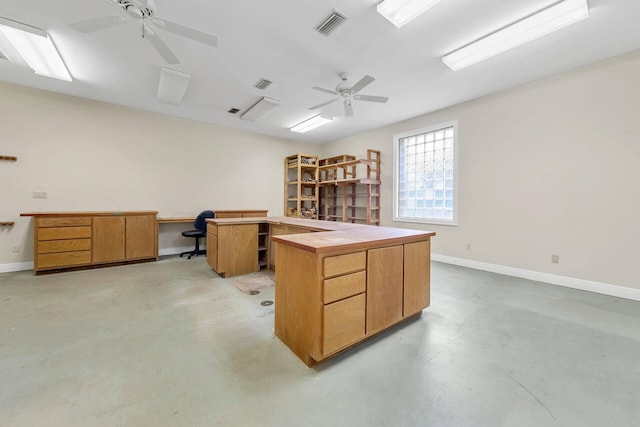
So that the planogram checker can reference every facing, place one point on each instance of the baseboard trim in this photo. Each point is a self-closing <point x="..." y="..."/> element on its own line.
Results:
<point x="568" y="282"/>
<point x="22" y="266"/>
<point x="16" y="266"/>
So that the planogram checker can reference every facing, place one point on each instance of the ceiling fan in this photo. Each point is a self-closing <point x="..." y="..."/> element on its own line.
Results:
<point x="144" y="10"/>
<point x="349" y="93"/>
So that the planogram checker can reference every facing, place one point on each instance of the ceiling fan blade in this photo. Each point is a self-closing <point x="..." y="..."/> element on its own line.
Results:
<point x="160" y="46"/>
<point x="321" y="89"/>
<point x="323" y="104"/>
<point x="97" y="24"/>
<point x="371" y="98"/>
<point x="348" y="109"/>
<point x="188" y="32"/>
<point x="366" y="80"/>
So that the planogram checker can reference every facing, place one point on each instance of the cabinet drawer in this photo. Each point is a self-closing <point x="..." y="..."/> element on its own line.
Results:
<point x="63" y="222"/>
<point x="343" y="323"/>
<point x="343" y="286"/>
<point x="69" y="245"/>
<point x="56" y="233"/>
<point x="343" y="264"/>
<point x="64" y="259"/>
<point x="212" y="229"/>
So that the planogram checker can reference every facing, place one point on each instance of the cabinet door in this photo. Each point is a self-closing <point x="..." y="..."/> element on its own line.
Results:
<point x="108" y="238"/>
<point x="140" y="236"/>
<point x="237" y="249"/>
<point x="384" y="287"/>
<point x="212" y="251"/>
<point x="416" y="277"/>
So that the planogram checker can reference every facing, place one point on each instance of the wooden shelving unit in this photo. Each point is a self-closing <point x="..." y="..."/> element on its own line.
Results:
<point x="263" y="246"/>
<point x="350" y="194"/>
<point x="301" y="194"/>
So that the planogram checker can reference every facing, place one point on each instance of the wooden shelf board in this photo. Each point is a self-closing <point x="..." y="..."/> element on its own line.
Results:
<point x="9" y="158"/>
<point x="350" y="181"/>
<point x="7" y="223"/>
<point x="347" y="163"/>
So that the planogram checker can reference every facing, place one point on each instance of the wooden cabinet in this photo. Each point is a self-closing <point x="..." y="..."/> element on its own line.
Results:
<point x="65" y="240"/>
<point x="108" y="239"/>
<point x="416" y="277"/>
<point x="241" y="213"/>
<point x="301" y="186"/>
<point x="384" y="287"/>
<point x="280" y="230"/>
<point x="232" y="249"/>
<point x="326" y="303"/>
<point x="140" y="236"/>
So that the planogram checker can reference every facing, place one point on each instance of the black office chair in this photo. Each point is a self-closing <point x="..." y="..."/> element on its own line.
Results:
<point x="200" y="225"/>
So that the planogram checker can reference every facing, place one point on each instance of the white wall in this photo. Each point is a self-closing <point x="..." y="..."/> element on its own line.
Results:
<point x="551" y="167"/>
<point x="88" y="155"/>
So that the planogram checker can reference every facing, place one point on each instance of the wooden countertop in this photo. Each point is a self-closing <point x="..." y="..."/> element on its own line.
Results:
<point x="332" y="236"/>
<point x="97" y="213"/>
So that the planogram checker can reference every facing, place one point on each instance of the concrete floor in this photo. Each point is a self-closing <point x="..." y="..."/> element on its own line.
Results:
<point x="172" y="344"/>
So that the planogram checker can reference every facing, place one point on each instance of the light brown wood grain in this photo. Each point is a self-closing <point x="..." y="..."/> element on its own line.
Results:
<point x="343" y="264"/>
<point x="141" y="237"/>
<point x="63" y="259"/>
<point x="68" y="245"/>
<point x="344" y="324"/>
<point x="416" y="277"/>
<point x="344" y="286"/>
<point x="384" y="287"/>
<point x="238" y="249"/>
<point x="63" y="222"/>
<point x="299" y="308"/>
<point x="108" y="239"/>
<point x="57" y="233"/>
<point x="212" y="251"/>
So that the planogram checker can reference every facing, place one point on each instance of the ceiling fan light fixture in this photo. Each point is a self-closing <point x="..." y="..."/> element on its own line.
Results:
<point x="311" y="123"/>
<point x="260" y="109"/>
<point x="543" y="22"/>
<point x="37" y="49"/>
<point x="401" y="12"/>
<point x="172" y="85"/>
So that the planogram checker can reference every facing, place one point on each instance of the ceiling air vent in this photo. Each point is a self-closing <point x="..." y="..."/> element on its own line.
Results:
<point x="263" y="83"/>
<point x="330" y="23"/>
<point x="233" y="110"/>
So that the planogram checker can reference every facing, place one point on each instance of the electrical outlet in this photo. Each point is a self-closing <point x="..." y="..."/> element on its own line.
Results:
<point x="39" y="195"/>
<point x="15" y="249"/>
<point x="555" y="259"/>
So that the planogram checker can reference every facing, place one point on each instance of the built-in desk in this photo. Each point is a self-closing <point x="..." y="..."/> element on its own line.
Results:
<point x="337" y="284"/>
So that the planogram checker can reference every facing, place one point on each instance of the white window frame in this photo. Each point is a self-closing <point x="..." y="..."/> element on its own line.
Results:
<point x="396" y="180"/>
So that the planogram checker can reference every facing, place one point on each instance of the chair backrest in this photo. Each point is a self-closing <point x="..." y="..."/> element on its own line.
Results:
<point x="200" y="223"/>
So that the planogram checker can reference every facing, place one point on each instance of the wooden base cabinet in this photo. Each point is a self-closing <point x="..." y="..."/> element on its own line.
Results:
<point x="232" y="249"/>
<point x="64" y="240"/>
<point x="326" y="303"/>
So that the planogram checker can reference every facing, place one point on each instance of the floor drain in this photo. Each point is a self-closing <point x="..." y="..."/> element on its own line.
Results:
<point x="266" y="303"/>
<point x="254" y="292"/>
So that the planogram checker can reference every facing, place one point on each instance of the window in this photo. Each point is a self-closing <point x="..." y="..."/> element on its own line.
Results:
<point x="425" y="166"/>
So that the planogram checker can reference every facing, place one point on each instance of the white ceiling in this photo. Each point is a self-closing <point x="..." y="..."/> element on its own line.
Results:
<point x="276" y="40"/>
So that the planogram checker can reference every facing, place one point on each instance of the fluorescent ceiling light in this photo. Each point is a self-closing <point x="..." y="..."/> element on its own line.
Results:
<point x="312" y="123"/>
<point x="552" y="18"/>
<point x="172" y="86"/>
<point x="400" y="12"/>
<point x="260" y="109"/>
<point x="37" y="49"/>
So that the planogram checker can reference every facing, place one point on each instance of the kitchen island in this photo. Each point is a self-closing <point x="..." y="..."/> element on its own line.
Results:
<point x="337" y="284"/>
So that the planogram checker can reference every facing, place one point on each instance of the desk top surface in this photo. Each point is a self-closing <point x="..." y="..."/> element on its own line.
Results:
<point x="333" y="236"/>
